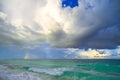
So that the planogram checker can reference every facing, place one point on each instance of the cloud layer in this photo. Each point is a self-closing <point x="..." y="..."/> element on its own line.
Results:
<point x="94" y="23"/>
<point x="74" y="53"/>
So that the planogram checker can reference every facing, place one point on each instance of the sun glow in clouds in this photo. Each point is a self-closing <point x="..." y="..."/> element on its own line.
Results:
<point x="93" y="54"/>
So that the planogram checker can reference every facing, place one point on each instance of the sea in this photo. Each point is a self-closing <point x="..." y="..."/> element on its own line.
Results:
<point x="57" y="69"/>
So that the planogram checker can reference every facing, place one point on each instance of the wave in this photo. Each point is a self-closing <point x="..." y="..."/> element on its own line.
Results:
<point x="7" y="74"/>
<point x="53" y="71"/>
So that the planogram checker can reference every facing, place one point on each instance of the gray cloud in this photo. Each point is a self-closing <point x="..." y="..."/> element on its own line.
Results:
<point x="13" y="36"/>
<point x="105" y="38"/>
<point x="39" y="22"/>
<point x="86" y="26"/>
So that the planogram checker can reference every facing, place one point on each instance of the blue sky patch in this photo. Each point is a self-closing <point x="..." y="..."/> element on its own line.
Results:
<point x="70" y="3"/>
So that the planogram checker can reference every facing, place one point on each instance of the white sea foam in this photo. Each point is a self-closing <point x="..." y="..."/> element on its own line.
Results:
<point x="50" y="71"/>
<point x="7" y="74"/>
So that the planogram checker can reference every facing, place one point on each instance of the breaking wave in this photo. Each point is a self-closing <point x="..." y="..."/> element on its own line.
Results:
<point x="53" y="71"/>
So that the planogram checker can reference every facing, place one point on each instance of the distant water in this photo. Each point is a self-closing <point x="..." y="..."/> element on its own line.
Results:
<point x="83" y="69"/>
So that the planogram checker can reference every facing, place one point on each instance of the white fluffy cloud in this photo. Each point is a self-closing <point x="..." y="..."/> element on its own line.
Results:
<point x="45" y="21"/>
<point x="93" y="54"/>
<point x="72" y="53"/>
<point x="2" y="15"/>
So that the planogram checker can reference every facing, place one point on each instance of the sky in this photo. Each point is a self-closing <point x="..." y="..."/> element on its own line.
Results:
<point x="59" y="29"/>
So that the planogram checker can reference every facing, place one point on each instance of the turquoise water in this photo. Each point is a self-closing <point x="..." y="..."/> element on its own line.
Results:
<point x="68" y="69"/>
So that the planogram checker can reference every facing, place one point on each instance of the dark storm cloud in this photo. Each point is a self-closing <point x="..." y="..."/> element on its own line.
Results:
<point x="108" y="37"/>
<point x="99" y="25"/>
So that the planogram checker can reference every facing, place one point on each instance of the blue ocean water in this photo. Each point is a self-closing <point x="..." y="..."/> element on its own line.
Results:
<point x="83" y="69"/>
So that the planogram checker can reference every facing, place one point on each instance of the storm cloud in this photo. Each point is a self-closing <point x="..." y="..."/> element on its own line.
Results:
<point x="93" y="23"/>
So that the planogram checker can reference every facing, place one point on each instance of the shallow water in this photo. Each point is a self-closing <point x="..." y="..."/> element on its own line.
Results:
<point x="68" y="69"/>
